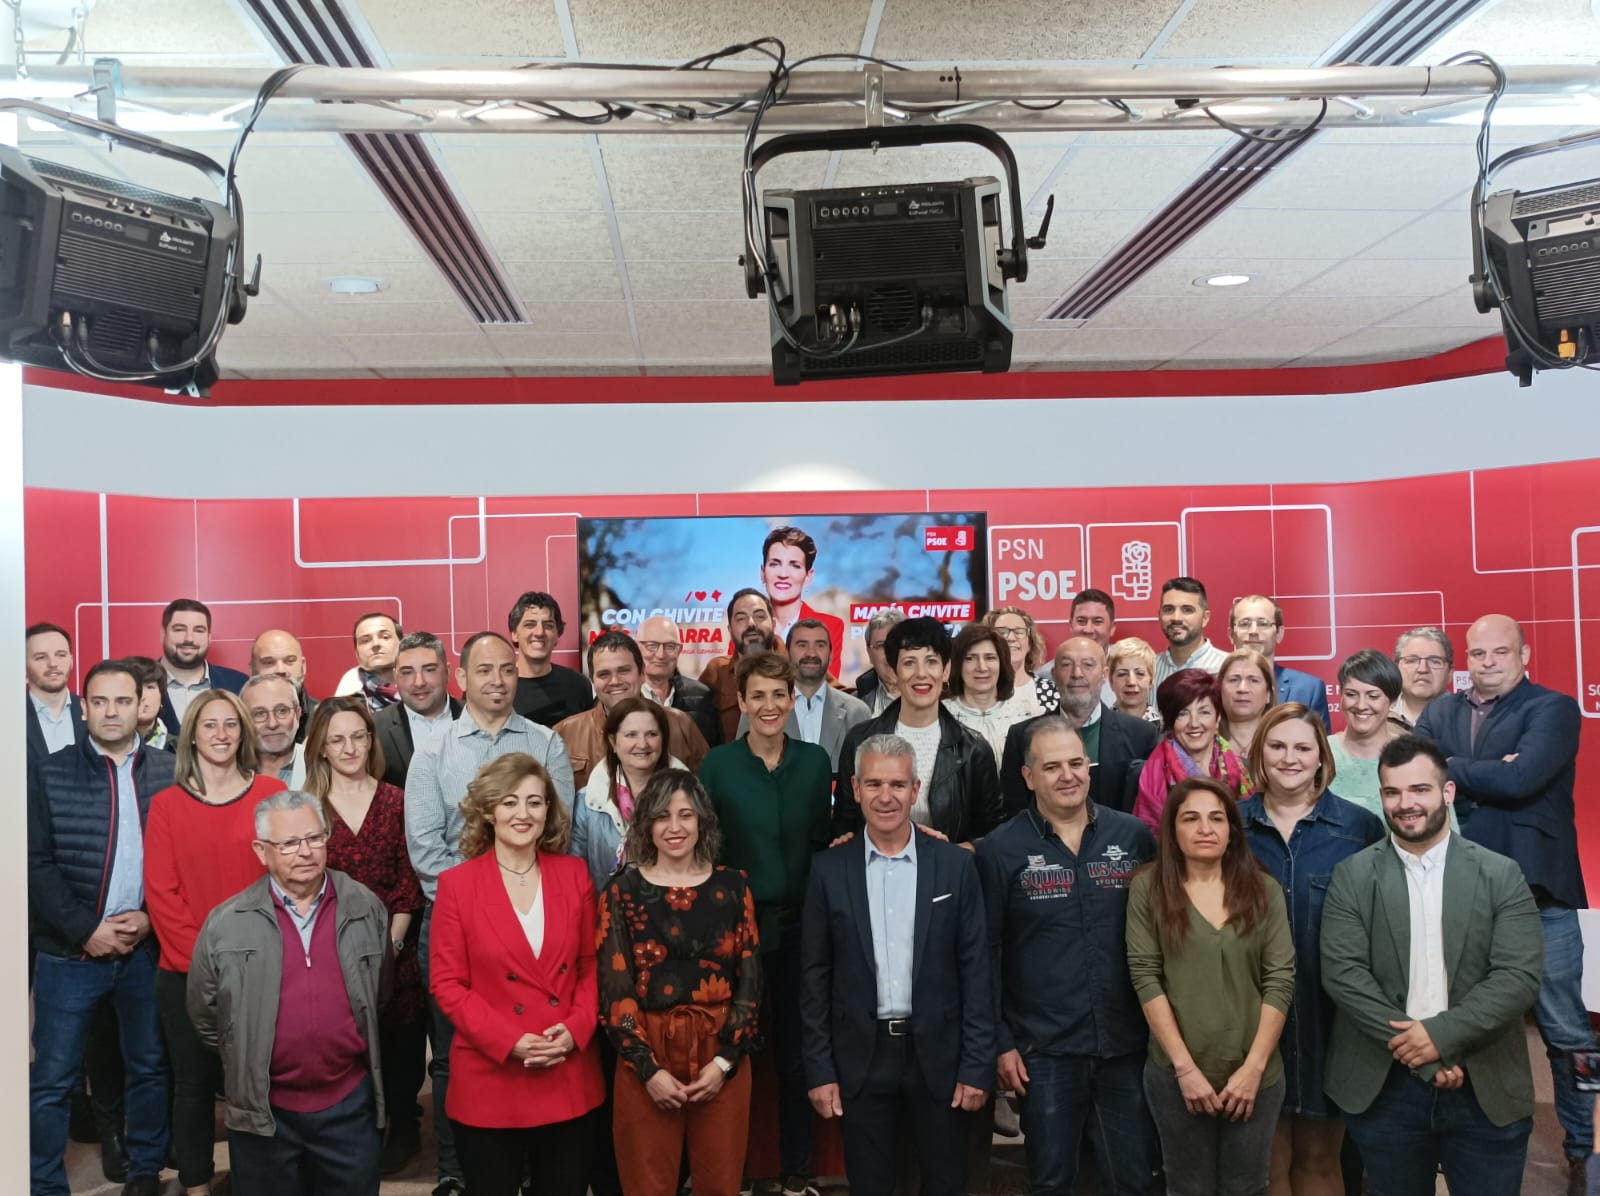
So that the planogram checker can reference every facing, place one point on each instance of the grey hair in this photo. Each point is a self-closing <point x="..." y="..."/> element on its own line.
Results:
<point x="1433" y="635"/>
<point x="885" y="744"/>
<point x="423" y="639"/>
<point x="1046" y="724"/>
<point x="884" y="619"/>
<point x="263" y="678"/>
<point x="287" y="799"/>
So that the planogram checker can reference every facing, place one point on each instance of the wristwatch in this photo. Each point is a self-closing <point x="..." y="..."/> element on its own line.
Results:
<point x="727" y="1066"/>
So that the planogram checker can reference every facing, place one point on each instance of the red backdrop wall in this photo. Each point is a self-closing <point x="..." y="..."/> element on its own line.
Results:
<point x="1353" y="565"/>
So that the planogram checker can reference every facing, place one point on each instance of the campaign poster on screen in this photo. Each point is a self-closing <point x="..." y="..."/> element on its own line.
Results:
<point x="931" y="564"/>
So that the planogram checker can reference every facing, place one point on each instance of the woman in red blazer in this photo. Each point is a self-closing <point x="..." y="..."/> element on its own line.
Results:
<point x="512" y="965"/>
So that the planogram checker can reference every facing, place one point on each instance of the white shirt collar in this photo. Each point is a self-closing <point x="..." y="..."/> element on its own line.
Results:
<point x="1428" y="860"/>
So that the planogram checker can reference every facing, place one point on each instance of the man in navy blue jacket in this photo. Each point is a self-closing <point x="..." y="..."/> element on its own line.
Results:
<point x="1256" y="621"/>
<point x="87" y="806"/>
<point x="55" y="715"/>
<point x="1513" y="750"/>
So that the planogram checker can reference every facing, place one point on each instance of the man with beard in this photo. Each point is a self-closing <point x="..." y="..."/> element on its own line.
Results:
<point x="274" y="711"/>
<point x="1256" y="621"/>
<point x="1431" y="955"/>
<point x="185" y="640"/>
<point x="425" y="710"/>
<point x="55" y="715"/>
<point x="750" y="630"/>
<point x="822" y="714"/>
<point x="616" y="666"/>
<point x="546" y="692"/>
<point x="662" y="642"/>
<point x="1427" y="662"/>
<point x="1184" y="615"/>
<point x="279" y="652"/>
<point x="1117" y="744"/>
<point x="377" y="641"/>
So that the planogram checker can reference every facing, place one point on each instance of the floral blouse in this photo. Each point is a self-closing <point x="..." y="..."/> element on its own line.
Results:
<point x="661" y="948"/>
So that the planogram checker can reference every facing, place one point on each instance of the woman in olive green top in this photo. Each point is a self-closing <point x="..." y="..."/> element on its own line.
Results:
<point x="1212" y="961"/>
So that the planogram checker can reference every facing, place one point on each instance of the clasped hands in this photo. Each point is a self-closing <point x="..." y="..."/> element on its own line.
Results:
<point x="1412" y="1048"/>
<point x="546" y="1049"/>
<point x="118" y="934"/>
<point x="668" y="1092"/>
<point x="1236" y="1101"/>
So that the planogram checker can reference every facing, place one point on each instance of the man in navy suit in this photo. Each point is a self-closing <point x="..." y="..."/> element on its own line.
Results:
<point x="896" y="991"/>
<point x="55" y="715"/>
<point x="185" y="641"/>
<point x="1513" y="750"/>
<point x="1256" y="621"/>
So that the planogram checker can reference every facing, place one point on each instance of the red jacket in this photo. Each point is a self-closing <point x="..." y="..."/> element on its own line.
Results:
<point x="489" y="984"/>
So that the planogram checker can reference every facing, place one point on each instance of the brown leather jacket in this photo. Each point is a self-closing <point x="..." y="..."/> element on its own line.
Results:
<point x="585" y="737"/>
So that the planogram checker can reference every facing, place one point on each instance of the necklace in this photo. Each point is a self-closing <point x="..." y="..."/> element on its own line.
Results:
<point x="522" y="877"/>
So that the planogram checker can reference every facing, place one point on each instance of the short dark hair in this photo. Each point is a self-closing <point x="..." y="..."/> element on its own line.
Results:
<point x="1183" y="689"/>
<point x="1402" y="750"/>
<point x="968" y="638"/>
<point x="535" y="600"/>
<point x="1187" y="585"/>
<point x="745" y="593"/>
<point x="114" y="666"/>
<point x="808" y="625"/>
<point x="376" y="614"/>
<point x="46" y="629"/>
<point x="917" y="633"/>
<point x="475" y="637"/>
<point x="148" y="672"/>
<point x="1045" y="724"/>
<point x="1371" y="667"/>
<point x="794" y="538"/>
<point x="423" y="639"/>
<point x="615" y="641"/>
<point x="1093" y="595"/>
<point x="190" y="605"/>
<point x="772" y="665"/>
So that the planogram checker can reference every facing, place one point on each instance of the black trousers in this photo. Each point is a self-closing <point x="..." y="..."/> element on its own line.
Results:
<point x="780" y="1019"/>
<point x="555" y="1157"/>
<point x="404" y="1051"/>
<point x="196" y="1076"/>
<point x="330" y="1153"/>
<point x="102" y="1064"/>
<point x="894" y="1102"/>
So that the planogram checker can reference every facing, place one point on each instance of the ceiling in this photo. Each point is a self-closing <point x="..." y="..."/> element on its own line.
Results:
<point x="622" y="247"/>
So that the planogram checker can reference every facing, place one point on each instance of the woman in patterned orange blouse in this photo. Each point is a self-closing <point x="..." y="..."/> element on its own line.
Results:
<point x="680" y="983"/>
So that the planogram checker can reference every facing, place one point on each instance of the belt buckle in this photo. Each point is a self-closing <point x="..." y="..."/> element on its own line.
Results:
<point x="898" y="1027"/>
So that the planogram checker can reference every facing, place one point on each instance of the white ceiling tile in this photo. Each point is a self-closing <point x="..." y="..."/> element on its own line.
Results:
<point x="435" y="369"/>
<point x="1392" y="344"/>
<point x="415" y="280"/>
<point x="417" y="352"/>
<point x="707" y="236"/>
<point x="715" y="331"/>
<point x="1091" y="234"/>
<point x="1223" y="30"/>
<point x="1268" y="345"/>
<point x="356" y="317"/>
<point x="1130" y="176"/>
<point x="1050" y="277"/>
<point x="1526" y="31"/>
<point x="623" y="30"/>
<point x="1455" y="309"/>
<point x="1419" y="277"/>
<point x="536" y="237"/>
<point x="502" y="173"/>
<point x="525" y="347"/>
<point x="553" y="281"/>
<point x="1218" y="310"/>
<point x="1221" y="364"/>
<point x="1299" y="234"/>
<point x="957" y="30"/>
<point x="607" y="319"/>
<point x="1348" y="312"/>
<point x="1032" y="344"/>
<point x="152" y="30"/>
<point x="1382" y="177"/>
<point x="282" y="237"/>
<point x="270" y="355"/>
<point x="666" y="281"/>
<point x="1149" y="138"/>
<point x="468" y="28"/>
<point x="303" y="178"/>
<point x="1268" y="276"/>
<point x="1444" y="235"/>
<point x="689" y="176"/>
<point x="1131" y="345"/>
<point x="268" y="319"/>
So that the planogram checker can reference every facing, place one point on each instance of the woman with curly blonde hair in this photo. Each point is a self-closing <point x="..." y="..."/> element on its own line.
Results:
<point x="680" y="984"/>
<point x="512" y="965"/>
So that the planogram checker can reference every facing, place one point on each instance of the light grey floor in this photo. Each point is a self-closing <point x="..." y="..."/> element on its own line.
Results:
<point x="1546" y="1174"/>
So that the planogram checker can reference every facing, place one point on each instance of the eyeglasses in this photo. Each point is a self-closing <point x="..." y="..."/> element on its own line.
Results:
<point x="1253" y="624"/>
<point x="292" y="846"/>
<point x="1012" y="633"/>
<point x="357" y="738"/>
<point x="277" y="714"/>
<point x="651" y="647"/>
<point x="1426" y="662"/>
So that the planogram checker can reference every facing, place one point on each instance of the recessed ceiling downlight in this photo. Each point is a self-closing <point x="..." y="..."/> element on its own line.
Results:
<point x="352" y="284"/>
<point x="1222" y="280"/>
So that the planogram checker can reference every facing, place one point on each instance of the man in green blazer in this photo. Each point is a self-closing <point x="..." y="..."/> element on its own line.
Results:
<point x="1431" y="953"/>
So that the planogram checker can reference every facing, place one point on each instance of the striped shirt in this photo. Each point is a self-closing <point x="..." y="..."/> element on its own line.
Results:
<point x="1208" y="657"/>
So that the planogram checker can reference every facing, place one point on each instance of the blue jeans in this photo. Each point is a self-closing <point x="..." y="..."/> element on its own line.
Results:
<point x="1412" y="1129"/>
<point x="65" y="994"/>
<point x="440" y="1034"/>
<point x="1067" y="1093"/>
<point x="1563" y="1020"/>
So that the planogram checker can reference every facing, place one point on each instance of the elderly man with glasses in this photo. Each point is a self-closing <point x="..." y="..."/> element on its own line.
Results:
<point x="299" y="1045"/>
<point x="1427" y="663"/>
<point x="662" y="644"/>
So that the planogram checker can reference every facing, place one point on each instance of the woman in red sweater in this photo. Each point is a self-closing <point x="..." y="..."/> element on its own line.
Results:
<point x="197" y="854"/>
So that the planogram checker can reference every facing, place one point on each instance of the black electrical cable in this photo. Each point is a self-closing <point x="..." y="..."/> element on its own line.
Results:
<point x="1278" y="137"/>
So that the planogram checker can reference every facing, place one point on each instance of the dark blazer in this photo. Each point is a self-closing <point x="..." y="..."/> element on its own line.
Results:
<point x="222" y="677"/>
<point x="867" y="685"/>
<point x="963" y="794"/>
<point x="952" y="1003"/>
<point x="1493" y="953"/>
<point x="36" y="744"/>
<point x="1522" y="809"/>
<point x="394" y="737"/>
<point x="1125" y="743"/>
<point x="700" y="704"/>
<point x="1295" y="686"/>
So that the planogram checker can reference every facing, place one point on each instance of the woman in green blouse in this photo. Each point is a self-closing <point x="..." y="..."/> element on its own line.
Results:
<point x="1212" y="961"/>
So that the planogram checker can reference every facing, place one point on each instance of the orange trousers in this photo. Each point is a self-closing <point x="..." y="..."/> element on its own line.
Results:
<point x="650" y="1141"/>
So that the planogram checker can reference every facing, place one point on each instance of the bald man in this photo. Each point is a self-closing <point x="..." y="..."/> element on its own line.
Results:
<point x="661" y="643"/>
<point x="1513" y="748"/>
<point x="1117" y="744"/>
<point x="279" y="653"/>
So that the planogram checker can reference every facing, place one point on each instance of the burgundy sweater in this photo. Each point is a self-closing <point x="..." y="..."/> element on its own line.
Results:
<point x="318" y="1054"/>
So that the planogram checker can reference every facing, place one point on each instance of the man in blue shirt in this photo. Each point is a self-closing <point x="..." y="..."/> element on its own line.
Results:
<point x="1070" y="1033"/>
<point x="1256" y="621"/>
